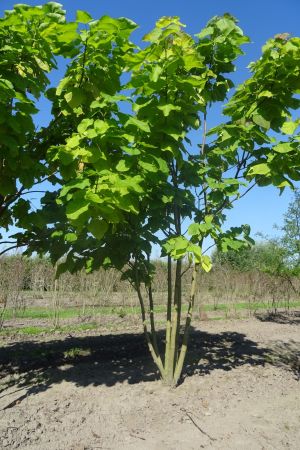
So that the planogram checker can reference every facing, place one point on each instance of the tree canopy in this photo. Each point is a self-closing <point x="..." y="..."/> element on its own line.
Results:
<point x="119" y="169"/>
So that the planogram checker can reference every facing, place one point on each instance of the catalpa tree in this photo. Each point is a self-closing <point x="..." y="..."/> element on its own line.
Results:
<point x="30" y="38"/>
<point x="128" y="177"/>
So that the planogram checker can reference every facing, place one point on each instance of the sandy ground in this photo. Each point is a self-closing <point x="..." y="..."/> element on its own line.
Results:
<point x="240" y="391"/>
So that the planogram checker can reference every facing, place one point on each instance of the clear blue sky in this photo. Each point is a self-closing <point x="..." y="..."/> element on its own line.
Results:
<point x="260" y="20"/>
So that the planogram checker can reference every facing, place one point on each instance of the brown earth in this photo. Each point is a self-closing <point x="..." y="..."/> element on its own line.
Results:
<point x="240" y="390"/>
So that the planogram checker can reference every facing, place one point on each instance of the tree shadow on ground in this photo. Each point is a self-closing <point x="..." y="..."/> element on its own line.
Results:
<point x="291" y="318"/>
<point x="286" y="355"/>
<point x="111" y="359"/>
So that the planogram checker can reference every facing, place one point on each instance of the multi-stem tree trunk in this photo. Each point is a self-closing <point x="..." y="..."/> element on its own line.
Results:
<point x="170" y="367"/>
<point x="175" y="350"/>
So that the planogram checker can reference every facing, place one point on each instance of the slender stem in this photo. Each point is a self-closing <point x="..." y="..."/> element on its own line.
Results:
<point x="152" y="323"/>
<point x="11" y="248"/>
<point x="176" y="317"/>
<point x="204" y="133"/>
<point x="177" y="303"/>
<point x="169" y="317"/>
<point x="176" y="313"/>
<point x="151" y="309"/>
<point x="186" y="270"/>
<point x="9" y="199"/>
<point x="155" y="356"/>
<point x="203" y="155"/>
<point x="179" y="365"/>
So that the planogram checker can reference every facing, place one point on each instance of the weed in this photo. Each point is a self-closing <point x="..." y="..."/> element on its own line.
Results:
<point x="72" y="353"/>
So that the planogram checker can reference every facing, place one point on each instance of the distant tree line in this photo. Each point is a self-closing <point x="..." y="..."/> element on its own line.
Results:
<point x="276" y="256"/>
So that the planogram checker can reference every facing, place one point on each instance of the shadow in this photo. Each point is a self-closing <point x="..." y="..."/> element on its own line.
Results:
<point x="286" y="355"/>
<point x="111" y="359"/>
<point x="226" y="351"/>
<point x="292" y="318"/>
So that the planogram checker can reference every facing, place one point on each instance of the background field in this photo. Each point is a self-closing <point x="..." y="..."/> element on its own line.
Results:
<point x="32" y="302"/>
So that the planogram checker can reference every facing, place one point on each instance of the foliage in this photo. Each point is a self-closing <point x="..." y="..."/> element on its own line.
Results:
<point x="128" y="176"/>
<point x="267" y="256"/>
<point x="276" y="256"/>
<point x="290" y="240"/>
<point x="30" y="38"/>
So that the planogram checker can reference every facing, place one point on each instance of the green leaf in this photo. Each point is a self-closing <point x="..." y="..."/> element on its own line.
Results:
<point x="206" y="263"/>
<point x="153" y="36"/>
<point x="156" y="73"/>
<point x="290" y="127"/>
<point x="42" y="64"/>
<point x="76" y="184"/>
<point x="194" y="81"/>
<point x="91" y="133"/>
<point x="148" y="166"/>
<point x="57" y="233"/>
<point x="193" y="229"/>
<point x="62" y="85"/>
<point x="138" y="124"/>
<point x="74" y="141"/>
<point x="93" y="197"/>
<point x="205" y="32"/>
<point x="101" y="126"/>
<point x="6" y="89"/>
<point x="84" y="124"/>
<point x="153" y="164"/>
<point x="71" y="237"/>
<point x="131" y="150"/>
<point x="176" y="247"/>
<point x="98" y="227"/>
<point x="284" y="147"/>
<point x="123" y="165"/>
<point x="121" y="26"/>
<point x="259" y="169"/>
<point x="66" y="33"/>
<point x="196" y="250"/>
<point x="259" y="120"/>
<point x="165" y="21"/>
<point x="83" y="17"/>
<point x="76" y="207"/>
<point x="166" y="109"/>
<point x="267" y="94"/>
<point x="75" y="97"/>
<point x="162" y="165"/>
<point x="234" y="244"/>
<point x="192" y="61"/>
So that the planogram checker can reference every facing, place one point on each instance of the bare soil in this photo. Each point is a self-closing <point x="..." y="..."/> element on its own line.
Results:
<point x="84" y="391"/>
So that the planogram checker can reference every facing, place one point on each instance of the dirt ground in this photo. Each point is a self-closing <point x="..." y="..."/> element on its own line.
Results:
<point x="87" y="391"/>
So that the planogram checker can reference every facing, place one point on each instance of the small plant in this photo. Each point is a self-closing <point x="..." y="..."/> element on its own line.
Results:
<point x="72" y="353"/>
<point x="122" y="313"/>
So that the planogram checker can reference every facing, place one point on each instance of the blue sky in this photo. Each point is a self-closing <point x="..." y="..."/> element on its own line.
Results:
<point x="260" y="20"/>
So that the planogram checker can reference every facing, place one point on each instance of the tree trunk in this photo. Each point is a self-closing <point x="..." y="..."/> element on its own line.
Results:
<point x="173" y="322"/>
<point x="171" y="367"/>
<point x="183" y="351"/>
